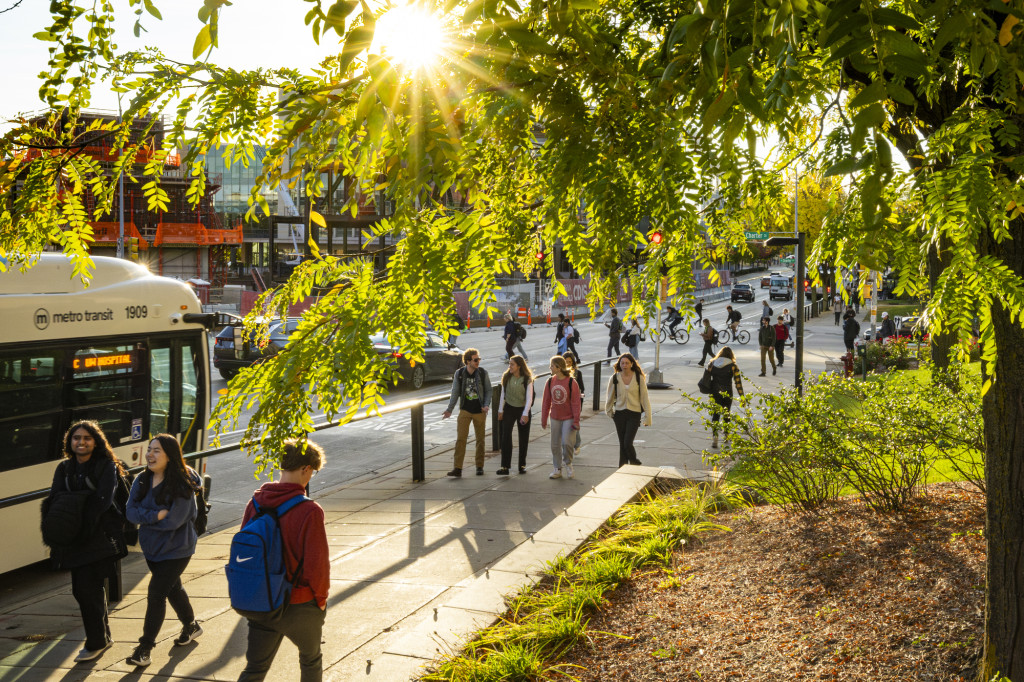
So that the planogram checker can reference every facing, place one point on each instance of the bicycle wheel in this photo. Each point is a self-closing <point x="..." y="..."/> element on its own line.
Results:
<point x="743" y="336"/>
<point x="724" y="336"/>
<point x="662" y="335"/>
<point x="682" y="336"/>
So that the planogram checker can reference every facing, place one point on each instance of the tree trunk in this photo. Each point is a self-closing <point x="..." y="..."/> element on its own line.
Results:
<point x="939" y="258"/>
<point x="1003" y="411"/>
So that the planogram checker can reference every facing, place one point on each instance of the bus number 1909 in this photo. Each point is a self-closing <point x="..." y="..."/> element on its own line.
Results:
<point x="135" y="312"/>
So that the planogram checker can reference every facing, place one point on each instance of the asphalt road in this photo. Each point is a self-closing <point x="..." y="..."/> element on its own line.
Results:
<point x="369" y="446"/>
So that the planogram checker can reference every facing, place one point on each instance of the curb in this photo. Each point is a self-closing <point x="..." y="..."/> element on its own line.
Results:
<point x="482" y="599"/>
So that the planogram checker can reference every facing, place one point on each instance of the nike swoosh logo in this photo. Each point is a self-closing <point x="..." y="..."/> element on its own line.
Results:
<point x="239" y="559"/>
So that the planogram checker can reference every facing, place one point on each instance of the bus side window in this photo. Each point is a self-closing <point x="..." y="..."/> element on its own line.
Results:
<point x="160" y="386"/>
<point x="30" y="394"/>
<point x="191" y="415"/>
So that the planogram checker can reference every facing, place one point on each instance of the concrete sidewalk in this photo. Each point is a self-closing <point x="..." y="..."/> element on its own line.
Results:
<point x="415" y="567"/>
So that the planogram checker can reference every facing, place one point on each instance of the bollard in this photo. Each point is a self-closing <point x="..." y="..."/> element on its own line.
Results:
<point x="488" y="321"/>
<point x="495" y="430"/>
<point x="419" y="469"/>
<point x="529" y="318"/>
<point x="597" y="387"/>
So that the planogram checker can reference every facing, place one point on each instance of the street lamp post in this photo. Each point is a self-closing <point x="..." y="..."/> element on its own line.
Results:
<point x="797" y="241"/>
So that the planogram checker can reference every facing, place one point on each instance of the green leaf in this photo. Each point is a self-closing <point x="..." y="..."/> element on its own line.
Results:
<point x="891" y="17"/>
<point x="203" y="42"/>
<point x="846" y="29"/>
<point x="317" y="218"/>
<point x="849" y="47"/>
<point x="151" y="8"/>
<point x="869" y="95"/>
<point x="900" y="94"/>
<point x="339" y="11"/>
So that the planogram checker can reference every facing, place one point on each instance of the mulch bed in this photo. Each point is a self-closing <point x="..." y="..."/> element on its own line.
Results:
<point x="845" y="595"/>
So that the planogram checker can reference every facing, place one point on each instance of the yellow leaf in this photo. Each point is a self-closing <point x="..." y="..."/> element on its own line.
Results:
<point x="1006" y="32"/>
<point x="317" y="218"/>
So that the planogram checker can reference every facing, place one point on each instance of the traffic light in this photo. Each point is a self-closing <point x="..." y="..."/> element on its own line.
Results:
<point x="133" y="249"/>
<point x="656" y="237"/>
<point x="541" y="259"/>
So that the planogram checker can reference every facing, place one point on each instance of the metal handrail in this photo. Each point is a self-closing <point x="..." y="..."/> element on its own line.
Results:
<point x="414" y="406"/>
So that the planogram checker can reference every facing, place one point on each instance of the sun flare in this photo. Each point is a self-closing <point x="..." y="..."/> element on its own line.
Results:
<point x="410" y="36"/>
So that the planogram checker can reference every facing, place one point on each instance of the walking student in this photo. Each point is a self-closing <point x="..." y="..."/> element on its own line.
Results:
<point x="163" y="503"/>
<point x="766" y="339"/>
<point x="514" y="411"/>
<point x="560" y="333"/>
<point x="851" y="330"/>
<point x="578" y="376"/>
<point x="626" y="404"/>
<point x="570" y="340"/>
<point x="709" y="337"/>
<point x="83" y="529"/>
<point x="724" y="375"/>
<point x="307" y="560"/>
<point x="614" y="333"/>
<point x="788" y="319"/>
<point x="636" y="335"/>
<point x="781" y="336"/>
<point x="562" y="405"/>
<point x="510" y="335"/>
<point x="471" y="389"/>
<point x="837" y="307"/>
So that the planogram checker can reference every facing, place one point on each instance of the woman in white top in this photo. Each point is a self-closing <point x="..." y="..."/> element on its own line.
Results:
<point x="514" y="411"/>
<point x="636" y="335"/>
<point x="627" y="399"/>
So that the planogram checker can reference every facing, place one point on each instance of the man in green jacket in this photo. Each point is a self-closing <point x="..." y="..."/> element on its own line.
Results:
<point x="766" y="339"/>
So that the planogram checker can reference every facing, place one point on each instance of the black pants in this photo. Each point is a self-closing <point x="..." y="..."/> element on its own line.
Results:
<point x="510" y="344"/>
<point x="627" y="422"/>
<point x="303" y="624"/>
<point x="613" y="344"/>
<point x="780" y="346"/>
<point x="570" y="347"/>
<point x="708" y="352"/>
<point x="165" y="586"/>
<point x="87" y="588"/>
<point x="839" y="314"/>
<point x="725" y="402"/>
<point x="510" y="422"/>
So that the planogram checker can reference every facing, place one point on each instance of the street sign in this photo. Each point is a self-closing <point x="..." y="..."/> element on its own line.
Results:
<point x="755" y="236"/>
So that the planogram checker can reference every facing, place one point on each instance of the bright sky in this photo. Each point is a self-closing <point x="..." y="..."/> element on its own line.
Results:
<point x="253" y="33"/>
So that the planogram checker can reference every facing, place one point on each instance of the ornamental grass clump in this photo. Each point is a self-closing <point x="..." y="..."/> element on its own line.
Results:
<point x="544" y="621"/>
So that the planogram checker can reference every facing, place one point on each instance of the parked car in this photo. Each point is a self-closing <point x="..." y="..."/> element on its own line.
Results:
<point x="234" y="350"/>
<point x="742" y="292"/>
<point x="441" y="359"/>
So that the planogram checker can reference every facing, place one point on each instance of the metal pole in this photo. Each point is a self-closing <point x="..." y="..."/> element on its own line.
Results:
<point x="120" y="192"/>
<point x="495" y="430"/>
<point x="597" y="385"/>
<point x="418" y="466"/>
<point x="799" y="350"/>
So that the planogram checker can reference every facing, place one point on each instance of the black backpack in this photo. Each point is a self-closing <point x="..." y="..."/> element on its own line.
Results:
<point x="520" y="331"/>
<point x="575" y="335"/>
<point x="202" y="507"/>
<point x="62" y="518"/>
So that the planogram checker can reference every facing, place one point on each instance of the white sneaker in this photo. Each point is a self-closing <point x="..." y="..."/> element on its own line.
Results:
<point x="569" y="472"/>
<point x="555" y="473"/>
<point x="92" y="654"/>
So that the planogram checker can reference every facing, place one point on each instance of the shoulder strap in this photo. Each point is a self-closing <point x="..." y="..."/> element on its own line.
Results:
<point x="292" y="502"/>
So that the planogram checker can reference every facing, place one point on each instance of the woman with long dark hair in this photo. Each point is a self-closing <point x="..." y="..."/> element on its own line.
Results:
<point x="514" y="411"/>
<point x="94" y="538"/>
<point x="163" y="503"/>
<point x="724" y="375"/>
<point x="570" y="362"/>
<point x="627" y="403"/>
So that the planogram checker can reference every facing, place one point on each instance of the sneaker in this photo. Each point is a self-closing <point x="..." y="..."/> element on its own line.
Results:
<point x="555" y="473"/>
<point x="140" y="657"/>
<point x="773" y="371"/>
<point x="189" y="633"/>
<point x="455" y="473"/>
<point x="479" y="471"/>
<point x="576" y="452"/>
<point x="522" y="470"/>
<point x="636" y="463"/>
<point x="92" y="654"/>
<point x="700" y="364"/>
<point x="714" y="443"/>
<point x="502" y="471"/>
<point x="762" y="374"/>
<point x="569" y="473"/>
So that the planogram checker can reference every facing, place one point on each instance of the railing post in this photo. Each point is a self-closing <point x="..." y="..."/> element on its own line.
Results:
<point x="597" y="387"/>
<point x="495" y="427"/>
<point x="418" y="466"/>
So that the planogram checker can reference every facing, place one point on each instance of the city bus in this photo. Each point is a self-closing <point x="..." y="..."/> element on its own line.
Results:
<point x="129" y="351"/>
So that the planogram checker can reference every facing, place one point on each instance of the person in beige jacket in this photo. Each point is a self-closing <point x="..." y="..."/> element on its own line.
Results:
<point x="627" y="401"/>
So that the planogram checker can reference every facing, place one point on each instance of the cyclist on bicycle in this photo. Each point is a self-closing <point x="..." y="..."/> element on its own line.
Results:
<point x="674" y="318"/>
<point x="732" y="320"/>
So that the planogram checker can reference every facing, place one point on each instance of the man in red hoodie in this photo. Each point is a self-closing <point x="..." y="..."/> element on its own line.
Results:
<point x="305" y="546"/>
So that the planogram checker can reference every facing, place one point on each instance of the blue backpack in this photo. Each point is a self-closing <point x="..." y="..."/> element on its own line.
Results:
<point x="258" y="582"/>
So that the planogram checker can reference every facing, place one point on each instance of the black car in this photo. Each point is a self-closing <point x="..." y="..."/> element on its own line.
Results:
<point x="233" y="349"/>
<point x="742" y="292"/>
<point x="440" y="359"/>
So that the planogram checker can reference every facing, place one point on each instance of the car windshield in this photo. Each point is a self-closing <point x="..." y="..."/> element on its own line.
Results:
<point x="742" y="286"/>
<point x="380" y="340"/>
<point x="780" y="283"/>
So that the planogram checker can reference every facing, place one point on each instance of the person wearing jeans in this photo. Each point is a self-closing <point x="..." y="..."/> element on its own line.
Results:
<point x="781" y="336"/>
<point x="471" y="388"/>
<point x="614" y="333"/>
<point x="626" y="404"/>
<point x="766" y="340"/>
<point x="514" y="411"/>
<point x="163" y="502"/>
<point x="562" y="405"/>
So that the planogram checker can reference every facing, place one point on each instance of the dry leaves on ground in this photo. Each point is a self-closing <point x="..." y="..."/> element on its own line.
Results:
<point x="846" y="595"/>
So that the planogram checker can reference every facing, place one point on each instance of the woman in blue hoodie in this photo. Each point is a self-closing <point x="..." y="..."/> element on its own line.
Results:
<point x="163" y="503"/>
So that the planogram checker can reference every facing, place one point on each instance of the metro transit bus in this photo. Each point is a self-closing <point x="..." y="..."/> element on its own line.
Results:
<point x="129" y="351"/>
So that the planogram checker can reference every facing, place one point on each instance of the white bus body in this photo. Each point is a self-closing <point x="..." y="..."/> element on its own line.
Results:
<point x="118" y="352"/>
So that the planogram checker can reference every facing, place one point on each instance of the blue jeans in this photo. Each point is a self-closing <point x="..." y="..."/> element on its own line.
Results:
<point x="563" y="442"/>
